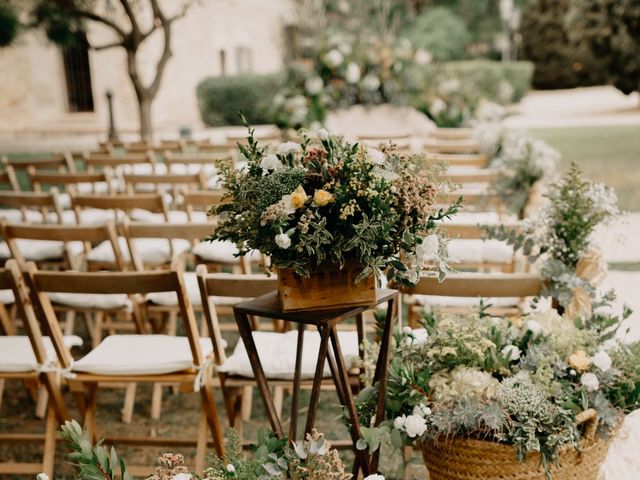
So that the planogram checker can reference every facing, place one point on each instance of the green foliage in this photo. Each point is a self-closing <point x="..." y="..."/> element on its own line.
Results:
<point x="441" y="32"/>
<point x="624" y="391"/>
<point x="221" y="98"/>
<point x="9" y="23"/>
<point x="93" y="462"/>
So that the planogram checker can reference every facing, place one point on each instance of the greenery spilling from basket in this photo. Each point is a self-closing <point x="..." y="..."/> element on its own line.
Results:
<point x="518" y="381"/>
<point x="271" y="458"/>
<point x="559" y="238"/>
<point x="312" y="205"/>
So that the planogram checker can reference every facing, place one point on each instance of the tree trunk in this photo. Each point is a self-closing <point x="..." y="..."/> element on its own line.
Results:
<point x="144" y="107"/>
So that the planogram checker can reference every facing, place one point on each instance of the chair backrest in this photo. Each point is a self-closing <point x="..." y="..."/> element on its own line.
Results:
<point x="228" y="285"/>
<point x="497" y="285"/>
<point x="195" y="161"/>
<point x="41" y="283"/>
<point x="88" y="234"/>
<point x="100" y="161"/>
<point x="43" y="202"/>
<point x="479" y="175"/>
<point x="152" y="202"/>
<point x="68" y="180"/>
<point x="174" y="182"/>
<point x="200" y="200"/>
<point x="479" y="160"/>
<point x="193" y="232"/>
<point x="163" y="146"/>
<point x="451" y="146"/>
<point x="57" y="161"/>
<point x="205" y="146"/>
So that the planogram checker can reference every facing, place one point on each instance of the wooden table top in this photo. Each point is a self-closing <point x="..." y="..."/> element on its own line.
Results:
<point x="268" y="306"/>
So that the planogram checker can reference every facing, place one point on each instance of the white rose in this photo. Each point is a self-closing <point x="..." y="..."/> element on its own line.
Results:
<point x="398" y="422"/>
<point x="182" y="476"/>
<point x="352" y="74"/>
<point x="437" y="106"/>
<point x="371" y="82"/>
<point x="512" y="352"/>
<point x="534" y="327"/>
<point x="428" y="247"/>
<point x="415" y="426"/>
<point x="334" y="58"/>
<point x="590" y="382"/>
<point x="314" y="85"/>
<point x="323" y="134"/>
<point x="288" y="147"/>
<point x="375" y="476"/>
<point x="376" y="156"/>
<point x="602" y="360"/>
<point x="231" y="468"/>
<point x="270" y="162"/>
<point x="283" y="240"/>
<point x="42" y="476"/>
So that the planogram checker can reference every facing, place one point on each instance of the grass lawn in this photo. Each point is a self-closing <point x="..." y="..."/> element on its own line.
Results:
<point x="606" y="154"/>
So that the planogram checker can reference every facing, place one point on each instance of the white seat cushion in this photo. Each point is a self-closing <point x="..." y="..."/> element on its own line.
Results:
<point x="150" y="250"/>
<point x="6" y="297"/>
<point x="466" y="302"/>
<point x="479" y="251"/>
<point x="175" y="216"/>
<point x="14" y="215"/>
<point x="90" y="300"/>
<point x="16" y="354"/>
<point x="88" y="216"/>
<point x="39" y="250"/>
<point x="277" y="352"/>
<point x="140" y="355"/>
<point x="142" y="169"/>
<point x="193" y="292"/>
<point x="191" y="168"/>
<point x="221" y="252"/>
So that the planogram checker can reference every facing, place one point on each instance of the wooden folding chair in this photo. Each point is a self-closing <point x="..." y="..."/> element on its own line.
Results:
<point x="176" y="146"/>
<point x="451" y="146"/>
<point x="238" y="389"/>
<point x="31" y="359"/>
<point x="170" y="184"/>
<point x="132" y="358"/>
<point x="478" y="160"/>
<point x="507" y="292"/>
<point x="130" y="162"/>
<point x="61" y="162"/>
<point x="82" y="182"/>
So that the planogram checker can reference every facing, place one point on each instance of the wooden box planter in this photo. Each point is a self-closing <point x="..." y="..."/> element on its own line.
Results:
<point x="325" y="289"/>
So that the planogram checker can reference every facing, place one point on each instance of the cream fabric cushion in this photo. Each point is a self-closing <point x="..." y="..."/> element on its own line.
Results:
<point x="16" y="354"/>
<point x="140" y="355"/>
<point x="39" y="250"/>
<point x="91" y="300"/>
<point x="14" y="215"/>
<point x="479" y="251"/>
<point x="88" y="216"/>
<point x="6" y="297"/>
<point x="221" y="252"/>
<point x="193" y="292"/>
<point x="191" y="168"/>
<point x="277" y="352"/>
<point x="150" y="250"/>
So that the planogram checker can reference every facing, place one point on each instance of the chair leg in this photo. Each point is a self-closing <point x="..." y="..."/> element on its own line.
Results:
<point x="1" y="390"/>
<point x="247" y="402"/>
<point x="156" y="401"/>
<point x="201" y="446"/>
<point x="172" y="323"/>
<point x="49" y="443"/>
<point x="42" y="402"/>
<point x="69" y="322"/>
<point x="129" y="402"/>
<point x="89" y="420"/>
<point x="278" y="399"/>
<point x="211" y="414"/>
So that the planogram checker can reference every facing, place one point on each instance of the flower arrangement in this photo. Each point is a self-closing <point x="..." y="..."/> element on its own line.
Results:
<point x="315" y="205"/>
<point x="518" y="381"/>
<point x="449" y="105"/>
<point x="560" y="238"/>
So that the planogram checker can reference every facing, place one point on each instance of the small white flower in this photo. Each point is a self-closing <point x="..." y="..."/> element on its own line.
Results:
<point x="314" y="85"/>
<point x="534" y="327"/>
<point x="423" y="57"/>
<point x="371" y="83"/>
<point x="610" y="345"/>
<point x="572" y="372"/>
<point x="283" y="240"/>
<point x="288" y="147"/>
<point x="407" y="330"/>
<point x="422" y="410"/>
<point x="375" y="476"/>
<point x="334" y="58"/>
<point x="602" y="360"/>
<point x="42" y="476"/>
<point x="398" y="422"/>
<point x="376" y="156"/>
<point x="182" y="476"/>
<point x="323" y="134"/>
<point x="437" y="106"/>
<point x="512" y="352"/>
<point x="352" y="74"/>
<point x="231" y="468"/>
<point x="270" y="162"/>
<point x="428" y="248"/>
<point x="415" y="426"/>
<point x="590" y="382"/>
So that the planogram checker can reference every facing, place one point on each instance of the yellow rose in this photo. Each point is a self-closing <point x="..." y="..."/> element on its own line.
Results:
<point x="579" y="360"/>
<point x="580" y="305"/>
<point x="322" y="198"/>
<point x="592" y="267"/>
<point x="299" y="197"/>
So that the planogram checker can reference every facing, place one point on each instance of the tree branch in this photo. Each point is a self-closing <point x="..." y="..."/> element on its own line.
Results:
<point x="166" y="51"/>
<point x="135" y="28"/>
<point x="184" y="10"/>
<point x="97" y="18"/>
<point x="107" y="46"/>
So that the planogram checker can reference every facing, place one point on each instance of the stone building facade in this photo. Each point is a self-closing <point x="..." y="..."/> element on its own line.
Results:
<point x="216" y="37"/>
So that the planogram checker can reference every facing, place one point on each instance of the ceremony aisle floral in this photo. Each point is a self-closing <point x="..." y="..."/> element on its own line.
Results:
<point x="309" y="206"/>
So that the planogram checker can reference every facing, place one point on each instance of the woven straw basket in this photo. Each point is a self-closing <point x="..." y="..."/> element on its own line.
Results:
<point x="471" y="459"/>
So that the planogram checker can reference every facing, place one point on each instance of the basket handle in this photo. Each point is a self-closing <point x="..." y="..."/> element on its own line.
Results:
<point x="590" y="418"/>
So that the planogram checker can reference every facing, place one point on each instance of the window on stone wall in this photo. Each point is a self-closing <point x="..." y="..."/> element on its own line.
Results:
<point x="78" y="75"/>
<point x="244" y="60"/>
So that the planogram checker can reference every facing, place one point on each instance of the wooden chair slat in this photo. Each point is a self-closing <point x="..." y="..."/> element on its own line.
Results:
<point x="106" y="282"/>
<point x="479" y="285"/>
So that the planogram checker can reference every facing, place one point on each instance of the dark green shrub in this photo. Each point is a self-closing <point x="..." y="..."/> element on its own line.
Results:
<point x="9" y="23"/>
<point x="221" y="98"/>
<point x="441" y="32"/>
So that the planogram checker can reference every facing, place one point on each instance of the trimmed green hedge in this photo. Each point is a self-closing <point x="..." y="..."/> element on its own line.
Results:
<point x="487" y="77"/>
<point x="221" y="98"/>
